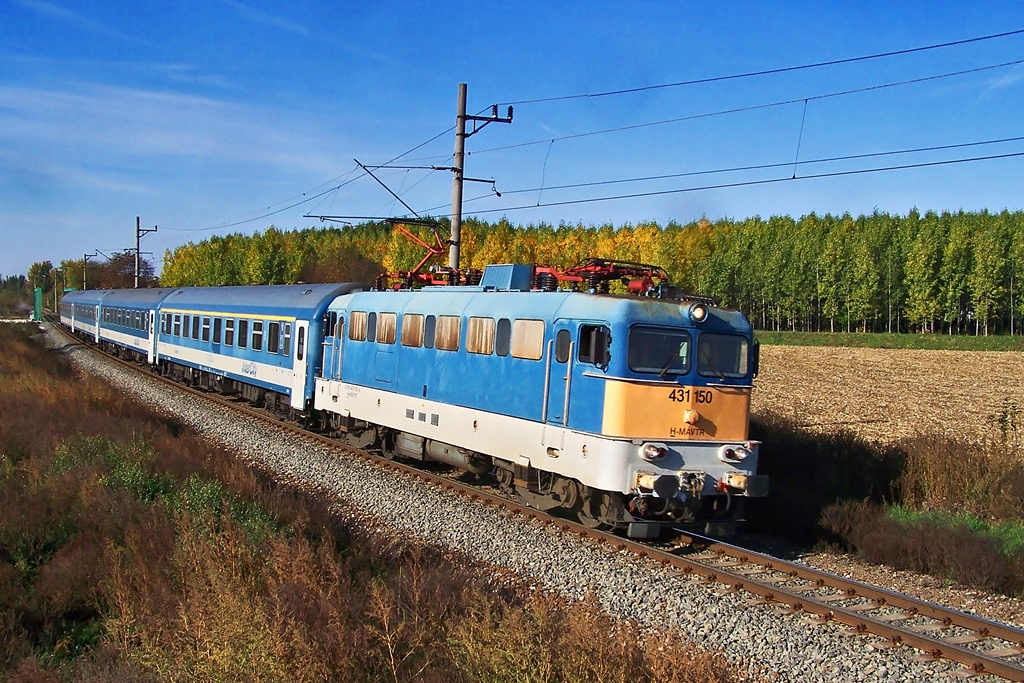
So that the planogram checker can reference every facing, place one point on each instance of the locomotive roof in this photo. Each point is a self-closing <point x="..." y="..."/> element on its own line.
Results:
<point x="476" y="301"/>
<point x="293" y="299"/>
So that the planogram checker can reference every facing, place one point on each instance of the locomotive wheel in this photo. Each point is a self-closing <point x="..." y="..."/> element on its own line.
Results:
<point x="595" y="510"/>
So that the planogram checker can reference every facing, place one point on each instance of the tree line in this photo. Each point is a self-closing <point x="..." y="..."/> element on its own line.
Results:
<point x="955" y="273"/>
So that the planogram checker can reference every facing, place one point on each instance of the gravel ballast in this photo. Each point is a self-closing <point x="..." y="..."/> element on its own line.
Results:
<point x="769" y="643"/>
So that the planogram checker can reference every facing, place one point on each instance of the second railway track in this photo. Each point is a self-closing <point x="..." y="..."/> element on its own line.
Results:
<point x="979" y="646"/>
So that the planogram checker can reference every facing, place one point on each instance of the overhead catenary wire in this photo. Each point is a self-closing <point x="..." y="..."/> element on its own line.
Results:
<point x="737" y="169"/>
<point x="753" y="107"/>
<point x="769" y="72"/>
<point x="749" y="183"/>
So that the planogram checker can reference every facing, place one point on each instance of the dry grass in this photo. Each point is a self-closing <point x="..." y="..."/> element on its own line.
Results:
<point x="130" y="551"/>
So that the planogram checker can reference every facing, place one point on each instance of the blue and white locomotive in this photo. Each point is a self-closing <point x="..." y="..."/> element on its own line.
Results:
<point x="627" y="411"/>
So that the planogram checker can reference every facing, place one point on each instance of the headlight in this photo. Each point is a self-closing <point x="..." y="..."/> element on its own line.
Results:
<point x="653" y="451"/>
<point x="733" y="453"/>
<point x="697" y="313"/>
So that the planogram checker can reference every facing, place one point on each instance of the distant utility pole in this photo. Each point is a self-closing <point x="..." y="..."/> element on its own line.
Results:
<point x="139" y="233"/>
<point x="85" y="267"/>
<point x="459" y="165"/>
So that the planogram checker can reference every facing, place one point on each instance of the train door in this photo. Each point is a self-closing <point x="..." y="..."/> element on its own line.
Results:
<point x="152" y="338"/>
<point x="559" y="374"/>
<point x="96" y="321"/>
<point x="339" y="333"/>
<point x="299" y="365"/>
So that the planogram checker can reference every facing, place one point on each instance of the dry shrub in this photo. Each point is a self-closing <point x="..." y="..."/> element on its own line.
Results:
<point x="941" y="473"/>
<point x="808" y="471"/>
<point x="131" y="550"/>
<point x="549" y="639"/>
<point x="953" y="552"/>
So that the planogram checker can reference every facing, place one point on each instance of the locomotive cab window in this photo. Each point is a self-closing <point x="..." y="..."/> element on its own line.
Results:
<point x="594" y="343"/>
<point x="722" y="355"/>
<point x="657" y="350"/>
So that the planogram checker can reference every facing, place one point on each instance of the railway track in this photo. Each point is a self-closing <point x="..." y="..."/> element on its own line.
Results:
<point x="981" y="646"/>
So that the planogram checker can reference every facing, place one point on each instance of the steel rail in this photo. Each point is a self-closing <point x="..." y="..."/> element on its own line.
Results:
<point x="766" y="581"/>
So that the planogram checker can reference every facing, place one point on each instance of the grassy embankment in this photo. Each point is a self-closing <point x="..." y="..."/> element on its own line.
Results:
<point x="932" y="504"/>
<point x="132" y="550"/>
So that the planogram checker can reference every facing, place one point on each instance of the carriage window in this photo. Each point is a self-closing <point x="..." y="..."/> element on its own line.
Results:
<point x="229" y="332"/>
<point x="301" y="348"/>
<point x="357" y="326"/>
<point x="195" y="327"/>
<point x="177" y="325"/>
<point x="528" y="339"/>
<point x="257" y="335"/>
<point x="287" y="350"/>
<point x="503" y="337"/>
<point x="243" y="332"/>
<point x="412" y="329"/>
<point x="429" y="331"/>
<point x="387" y="327"/>
<point x="165" y="323"/>
<point x="446" y="337"/>
<point x="665" y="352"/>
<point x="186" y="325"/>
<point x="480" y="335"/>
<point x="206" y="329"/>
<point x="137" y="319"/>
<point x="273" y="337"/>
<point x="594" y="342"/>
<point x="722" y="355"/>
<point x="217" y="323"/>
<point x="371" y="327"/>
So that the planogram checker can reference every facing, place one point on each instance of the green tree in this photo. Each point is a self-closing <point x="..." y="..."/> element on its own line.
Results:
<point x="988" y="273"/>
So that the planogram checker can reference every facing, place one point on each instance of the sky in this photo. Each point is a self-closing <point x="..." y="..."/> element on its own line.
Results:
<point x="221" y="116"/>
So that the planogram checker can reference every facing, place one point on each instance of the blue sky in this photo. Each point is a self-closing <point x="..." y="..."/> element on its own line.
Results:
<point x="198" y="115"/>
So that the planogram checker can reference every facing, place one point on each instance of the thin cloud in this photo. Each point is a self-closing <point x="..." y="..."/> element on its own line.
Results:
<point x="267" y="19"/>
<point x="76" y="19"/>
<point x="1011" y="79"/>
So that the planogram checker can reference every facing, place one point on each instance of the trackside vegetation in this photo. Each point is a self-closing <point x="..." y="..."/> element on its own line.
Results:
<point x="132" y="550"/>
<point x="930" y="503"/>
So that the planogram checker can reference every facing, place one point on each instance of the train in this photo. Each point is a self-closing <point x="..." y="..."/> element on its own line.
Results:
<point x="625" y="407"/>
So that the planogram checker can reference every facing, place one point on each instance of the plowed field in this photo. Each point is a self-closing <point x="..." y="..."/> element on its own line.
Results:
<point x="887" y="394"/>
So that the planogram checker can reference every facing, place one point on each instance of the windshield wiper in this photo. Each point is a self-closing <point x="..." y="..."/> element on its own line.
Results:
<point x="675" y="354"/>
<point x="711" y="363"/>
